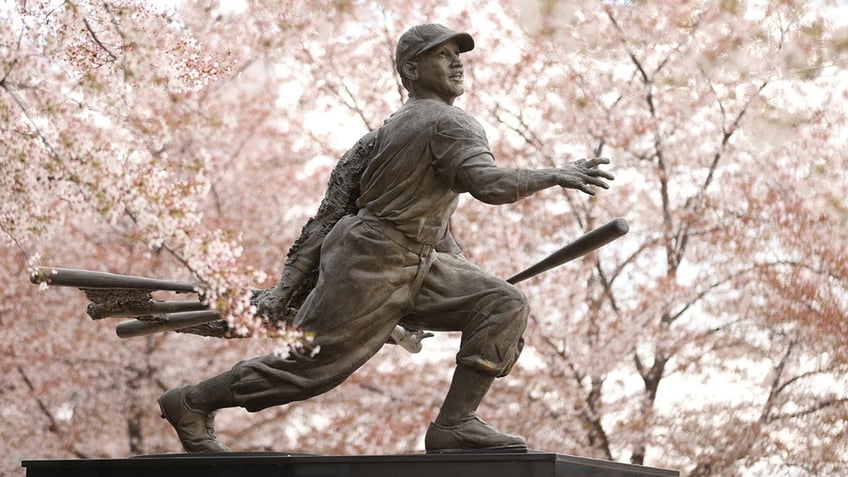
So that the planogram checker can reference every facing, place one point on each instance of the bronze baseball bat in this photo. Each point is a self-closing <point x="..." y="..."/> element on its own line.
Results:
<point x="584" y="244"/>
<point x="169" y="322"/>
<point x="99" y="311"/>
<point x="70" y="277"/>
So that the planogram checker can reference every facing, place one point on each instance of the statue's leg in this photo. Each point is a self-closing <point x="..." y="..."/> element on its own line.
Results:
<point x="457" y="427"/>
<point x="492" y="315"/>
<point x="366" y="283"/>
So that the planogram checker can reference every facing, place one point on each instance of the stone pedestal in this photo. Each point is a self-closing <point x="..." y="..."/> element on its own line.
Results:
<point x="531" y="464"/>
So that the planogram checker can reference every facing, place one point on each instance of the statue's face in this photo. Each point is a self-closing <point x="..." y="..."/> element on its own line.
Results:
<point x="440" y="72"/>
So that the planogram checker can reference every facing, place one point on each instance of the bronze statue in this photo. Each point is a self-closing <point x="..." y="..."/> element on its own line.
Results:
<point x="376" y="264"/>
<point x="394" y="262"/>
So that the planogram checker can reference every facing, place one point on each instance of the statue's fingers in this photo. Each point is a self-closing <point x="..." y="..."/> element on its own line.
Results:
<point x="597" y="182"/>
<point x="600" y="173"/>
<point x="585" y="188"/>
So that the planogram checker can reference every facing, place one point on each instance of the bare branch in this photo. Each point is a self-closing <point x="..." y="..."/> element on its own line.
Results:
<point x="389" y="41"/>
<point x="818" y="406"/>
<point x="15" y="241"/>
<point x="14" y="61"/>
<point x="53" y="425"/>
<point x="97" y="40"/>
<point x="523" y="130"/>
<point x="642" y="73"/>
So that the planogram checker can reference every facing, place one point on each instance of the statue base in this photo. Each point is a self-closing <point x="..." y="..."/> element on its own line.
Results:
<point x="263" y="464"/>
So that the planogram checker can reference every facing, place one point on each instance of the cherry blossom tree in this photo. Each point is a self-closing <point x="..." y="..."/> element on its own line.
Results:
<point x="193" y="142"/>
<point x="728" y="122"/>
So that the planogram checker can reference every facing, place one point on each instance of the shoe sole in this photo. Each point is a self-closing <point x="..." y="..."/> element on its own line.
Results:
<point x="521" y="449"/>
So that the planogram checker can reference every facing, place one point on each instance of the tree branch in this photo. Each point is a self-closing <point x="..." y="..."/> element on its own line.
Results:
<point x="97" y="40"/>
<point x="53" y="425"/>
<point x="818" y="406"/>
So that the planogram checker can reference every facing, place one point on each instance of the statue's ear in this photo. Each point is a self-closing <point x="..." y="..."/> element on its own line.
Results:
<point x="410" y="70"/>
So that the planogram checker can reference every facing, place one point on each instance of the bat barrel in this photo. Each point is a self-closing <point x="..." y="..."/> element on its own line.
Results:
<point x="586" y="243"/>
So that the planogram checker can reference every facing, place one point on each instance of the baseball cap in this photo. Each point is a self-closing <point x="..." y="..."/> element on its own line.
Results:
<point x="421" y="38"/>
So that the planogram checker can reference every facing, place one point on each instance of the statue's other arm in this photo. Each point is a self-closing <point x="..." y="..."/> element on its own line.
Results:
<point x="499" y="185"/>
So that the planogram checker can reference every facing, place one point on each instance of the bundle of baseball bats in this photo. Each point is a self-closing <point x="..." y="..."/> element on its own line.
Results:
<point x="125" y="296"/>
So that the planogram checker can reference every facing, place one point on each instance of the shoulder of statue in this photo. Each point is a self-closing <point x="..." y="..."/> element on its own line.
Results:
<point x="454" y="118"/>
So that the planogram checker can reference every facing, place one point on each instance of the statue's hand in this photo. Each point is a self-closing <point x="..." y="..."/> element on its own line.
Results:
<point x="274" y="301"/>
<point x="584" y="173"/>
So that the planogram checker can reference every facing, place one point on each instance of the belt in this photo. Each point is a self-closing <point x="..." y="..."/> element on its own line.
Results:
<point x="389" y="231"/>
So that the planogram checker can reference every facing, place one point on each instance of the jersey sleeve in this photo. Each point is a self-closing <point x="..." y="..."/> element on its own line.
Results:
<point x="458" y="140"/>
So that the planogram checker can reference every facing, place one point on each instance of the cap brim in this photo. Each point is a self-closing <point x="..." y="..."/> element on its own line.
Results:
<point x="463" y="40"/>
